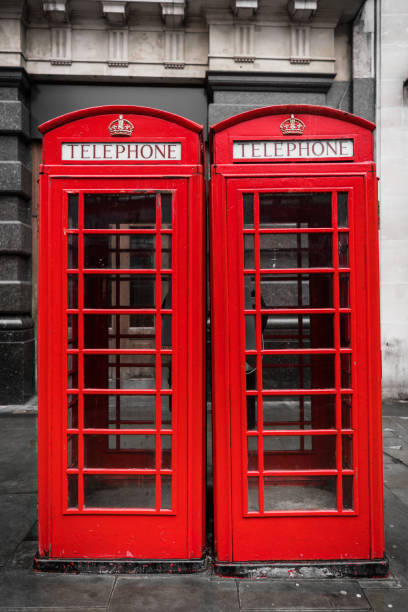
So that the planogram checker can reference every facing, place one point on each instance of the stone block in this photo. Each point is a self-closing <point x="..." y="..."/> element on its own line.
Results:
<point x="16" y="360"/>
<point x="364" y="98"/>
<point x="14" y="117"/>
<point x="339" y="95"/>
<point x="14" y="208"/>
<point x="15" y="296"/>
<point x="15" y="237"/>
<point x="15" y="267"/>
<point x="15" y="178"/>
<point x="268" y="98"/>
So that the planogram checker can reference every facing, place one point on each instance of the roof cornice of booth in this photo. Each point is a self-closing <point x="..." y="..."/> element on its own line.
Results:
<point x="283" y="109"/>
<point x="120" y="109"/>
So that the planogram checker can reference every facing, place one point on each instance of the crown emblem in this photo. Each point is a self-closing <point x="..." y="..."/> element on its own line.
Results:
<point x="292" y="126"/>
<point x="121" y="127"/>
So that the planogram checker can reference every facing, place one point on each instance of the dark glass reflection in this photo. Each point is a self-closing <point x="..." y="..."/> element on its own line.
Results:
<point x="120" y="211"/>
<point x="290" y="210"/>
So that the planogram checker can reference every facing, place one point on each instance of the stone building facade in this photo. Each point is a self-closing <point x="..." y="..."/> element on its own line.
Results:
<point x="206" y="60"/>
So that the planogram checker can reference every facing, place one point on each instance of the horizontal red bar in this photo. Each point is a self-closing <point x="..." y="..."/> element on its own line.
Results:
<point x="143" y="472"/>
<point x="118" y="231"/>
<point x="107" y="431"/>
<point x="120" y="351"/>
<point x="298" y="432"/>
<point x="121" y="271"/>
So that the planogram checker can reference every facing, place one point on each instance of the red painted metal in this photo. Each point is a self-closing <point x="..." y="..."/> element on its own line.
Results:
<point x="332" y="442"/>
<point x="92" y="392"/>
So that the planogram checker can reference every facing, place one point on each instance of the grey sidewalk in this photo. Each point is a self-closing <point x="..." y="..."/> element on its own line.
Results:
<point x="23" y="589"/>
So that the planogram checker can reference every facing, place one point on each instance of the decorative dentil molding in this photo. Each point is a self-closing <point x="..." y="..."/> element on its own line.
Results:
<point x="302" y="10"/>
<point x="300" y="44"/>
<point x="61" y="53"/>
<point x="174" y="49"/>
<point x="118" y="48"/>
<point x="244" y="43"/>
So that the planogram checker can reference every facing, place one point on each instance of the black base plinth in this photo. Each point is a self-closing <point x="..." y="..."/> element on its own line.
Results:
<point x="121" y="566"/>
<point x="376" y="568"/>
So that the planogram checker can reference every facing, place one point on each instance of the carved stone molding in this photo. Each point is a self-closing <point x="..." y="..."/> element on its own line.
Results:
<point x="118" y="48"/>
<point x="56" y="11"/>
<point x="245" y="9"/>
<point x="115" y="11"/>
<point x="244" y="45"/>
<point x="173" y="13"/>
<point x="302" y="10"/>
<point x="174" y="49"/>
<point x="61" y="46"/>
<point x="300" y="44"/>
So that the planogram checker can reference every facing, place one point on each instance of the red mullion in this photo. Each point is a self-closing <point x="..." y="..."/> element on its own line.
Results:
<point x="337" y="363"/>
<point x="299" y="432"/>
<point x="122" y="352"/>
<point x="102" y="391"/>
<point x="294" y="270"/>
<point x="158" y="352"/>
<point x="105" y="430"/>
<point x="117" y="231"/>
<point x="80" y="349"/>
<point x="142" y="471"/>
<point x="257" y="259"/>
<point x="124" y="311"/>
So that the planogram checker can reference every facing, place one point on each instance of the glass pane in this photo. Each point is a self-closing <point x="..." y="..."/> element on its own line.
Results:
<point x="345" y="331"/>
<point x="296" y="251"/>
<point x="166" y="291"/>
<point x="119" y="291"/>
<point x="166" y="251"/>
<point x="253" y="494"/>
<point x="346" y="411"/>
<point x="72" y="365"/>
<point x="166" y="452"/>
<point x="248" y="209"/>
<point x="72" y="291"/>
<point x="251" y="382"/>
<point x="343" y="250"/>
<point x="252" y="417"/>
<point x="249" y="253"/>
<point x="117" y="331"/>
<point x="72" y="331"/>
<point x="297" y="290"/>
<point x="298" y="371"/>
<point x="347" y="448"/>
<point x="166" y="492"/>
<point x="140" y="451"/>
<point x="345" y="364"/>
<point x="73" y="211"/>
<point x="299" y="412"/>
<point x="166" y="372"/>
<point x="250" y="332"/>
<point x="72" y="251"/>
<point x="72" y="491"/>
<point x="249" y="291"/>
<point x="166" y="412"/>
<point x="166" y="212"/>
<point x="348" y="493"/>
<point x="120" y="411"/>
<point x="289" y="210"/>
<point x="342" y="209"/>
<point x="166" y="331"/>
<point x="298" y="331"/>
<point x="119" y="491"/>
<point x="72" y="401"/>
<point x="119" y="371"/>
<point x="299" y="452"/>
<point x="252" y="452"/>
<point x="120" y="211"/>
<point x="344" y="289"/>
<point x="131" y="251"/>
<point x="300" y="493"/>
<point x="72" y="451"/>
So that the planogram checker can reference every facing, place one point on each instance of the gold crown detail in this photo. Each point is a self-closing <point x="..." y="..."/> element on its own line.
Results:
<point x="121" y="127"/>
<point x="292" y="126"/>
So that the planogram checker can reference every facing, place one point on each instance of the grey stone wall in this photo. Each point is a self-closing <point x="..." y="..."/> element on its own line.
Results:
<point x="16" y="324"/>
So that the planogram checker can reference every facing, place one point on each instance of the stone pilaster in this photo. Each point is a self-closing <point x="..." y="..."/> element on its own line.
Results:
<point x="16" y="324"/>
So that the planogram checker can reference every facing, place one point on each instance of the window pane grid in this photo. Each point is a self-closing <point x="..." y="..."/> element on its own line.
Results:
<point x="342" y="436"/>
<point x="119" y="429"/>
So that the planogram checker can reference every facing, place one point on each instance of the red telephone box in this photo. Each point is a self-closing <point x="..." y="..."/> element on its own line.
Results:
<point x="121" y="339"/>
<point x="296" y="340"/>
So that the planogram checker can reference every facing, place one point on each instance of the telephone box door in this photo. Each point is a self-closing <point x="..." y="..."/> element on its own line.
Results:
<point x="121" y="462"/>
<point x="299" y="429"/>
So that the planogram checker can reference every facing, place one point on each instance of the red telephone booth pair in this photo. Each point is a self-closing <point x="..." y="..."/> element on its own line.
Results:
<point x="295" y="342"/>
